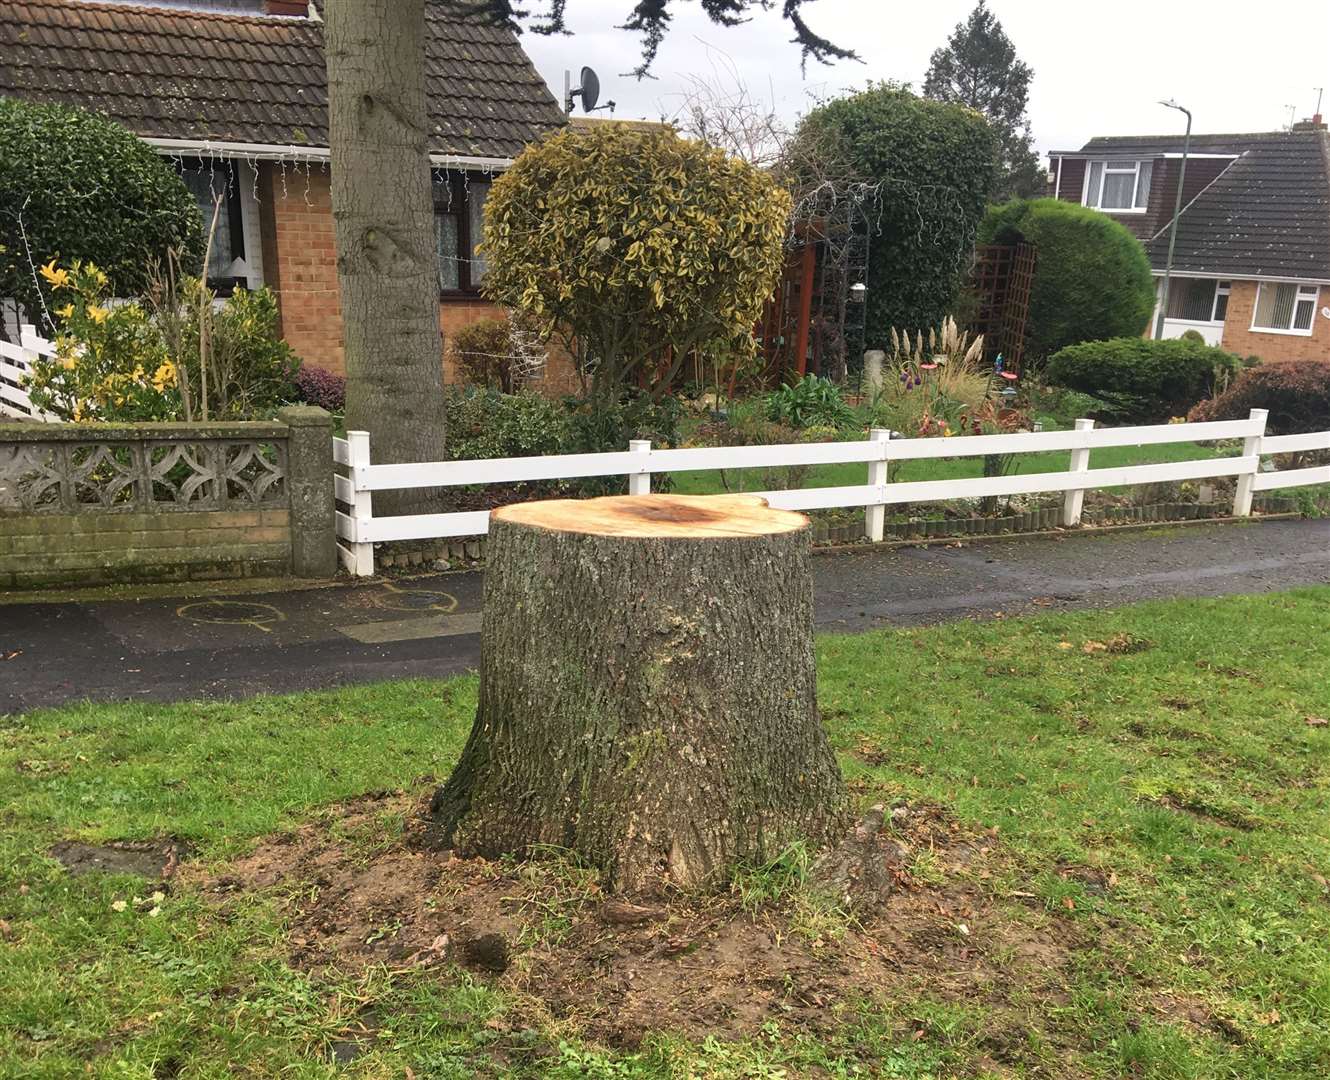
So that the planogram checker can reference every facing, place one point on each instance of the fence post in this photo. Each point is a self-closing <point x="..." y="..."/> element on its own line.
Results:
<point x="639" y="483"/>
<point x="1251" y="446"/>
<point x="309" y="478"/>
<point x="875" y="515"/>
<point x="1074" y="499"/>
<point x="362" y="510"/>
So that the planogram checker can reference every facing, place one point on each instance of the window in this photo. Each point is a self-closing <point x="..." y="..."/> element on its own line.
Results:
<point x="459" y="204"/>
<point x="1119" y="186"/>
<point x="208" y="180"/>
<point x="1202" y="300"/>
<point x="1285" y="307"/>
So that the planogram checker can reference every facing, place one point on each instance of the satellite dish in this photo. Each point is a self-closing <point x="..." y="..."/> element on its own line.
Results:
<point x="590" y="89"/>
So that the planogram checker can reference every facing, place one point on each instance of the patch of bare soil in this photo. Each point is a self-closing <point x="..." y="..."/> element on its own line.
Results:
<point x="694" y="964"/>
<point x="156" y="860"/>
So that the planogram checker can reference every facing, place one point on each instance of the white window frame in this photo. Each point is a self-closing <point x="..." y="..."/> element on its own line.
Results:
<point x="1222" y="288"/>
<point x="1299" y="296"/>
<point x="1120" y="167"/>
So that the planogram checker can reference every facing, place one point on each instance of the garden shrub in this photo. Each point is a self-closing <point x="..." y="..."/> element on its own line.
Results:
<point x="603" y="426"/>
<point x="1296" y="393"/>
<point x="499" y="353"/>
<point x="110" y="361"/>
<point x="481" y="351"/>
<point x="140" y="360"/>
<point x="483" y="423"/>
<point x="77" y="185"/>
<point x="935" y="163"/>
<point x="1092" y="279"/>
<point x="1142" y="381"/>
<point x="811" y="402"/>
<point x="632" y="246"/>
<point x="327" y="390"/>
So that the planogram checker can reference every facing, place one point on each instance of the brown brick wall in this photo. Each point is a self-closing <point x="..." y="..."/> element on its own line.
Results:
<point x="301" y="267"/>
<point x="92" y="549"/>
<point x="1241" y="339"/>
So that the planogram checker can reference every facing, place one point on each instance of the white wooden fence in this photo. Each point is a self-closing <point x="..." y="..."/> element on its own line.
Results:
<point x="15" y="365"/>
<point x="358" y="529"/>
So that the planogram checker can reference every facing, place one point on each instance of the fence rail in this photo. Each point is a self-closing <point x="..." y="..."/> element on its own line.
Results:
<point x="15" y="366"/>
<point x="358" y="529"/>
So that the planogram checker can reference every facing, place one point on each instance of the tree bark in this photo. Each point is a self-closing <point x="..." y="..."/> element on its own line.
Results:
<point x="383" y="216"/>
<point x="647" y="693"/>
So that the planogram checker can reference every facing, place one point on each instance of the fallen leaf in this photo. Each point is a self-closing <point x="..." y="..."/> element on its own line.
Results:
<point x="1069" y="903"/>
<point x="1317" y="721"/>
<point x="119" y="905"/>
<point x="1065" y="645"/>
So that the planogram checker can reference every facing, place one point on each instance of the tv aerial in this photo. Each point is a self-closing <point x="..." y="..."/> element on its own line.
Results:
<point x="588" y="91"/>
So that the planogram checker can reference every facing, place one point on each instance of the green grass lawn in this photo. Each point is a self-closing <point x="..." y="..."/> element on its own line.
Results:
<point x="1155" y="782"/>
<point x="710" y="482"/>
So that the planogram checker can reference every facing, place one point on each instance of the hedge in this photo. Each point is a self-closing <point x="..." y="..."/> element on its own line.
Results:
<point x="935" y="164"/>
<point x="1142" y="381"/>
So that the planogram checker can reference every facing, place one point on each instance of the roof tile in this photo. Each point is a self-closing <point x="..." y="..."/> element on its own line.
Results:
<point x="175" y="73"/>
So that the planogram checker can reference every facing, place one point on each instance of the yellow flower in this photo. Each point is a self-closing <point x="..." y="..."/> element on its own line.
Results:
<point x="68" y="363"/>
<point x="66" y="311"/>
<point x="57" y="278"/>
<point x="163" y="377"/>
<point x="97" y="314"/>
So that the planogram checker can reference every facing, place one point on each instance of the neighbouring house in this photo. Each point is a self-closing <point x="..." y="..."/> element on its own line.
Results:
<point x="234" y="93"/>
<point x="1251" y="267"/>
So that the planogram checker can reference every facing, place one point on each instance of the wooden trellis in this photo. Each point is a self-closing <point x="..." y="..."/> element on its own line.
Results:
<point x="1002" y="277"/>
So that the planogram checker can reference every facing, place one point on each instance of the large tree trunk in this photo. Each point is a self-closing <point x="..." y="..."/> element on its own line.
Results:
<point x="647" y="694"/>
<point x="384" y="218"/>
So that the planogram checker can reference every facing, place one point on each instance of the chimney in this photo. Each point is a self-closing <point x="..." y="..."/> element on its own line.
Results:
<point x="295" y="8"/>
<point x="1316" y="123"/>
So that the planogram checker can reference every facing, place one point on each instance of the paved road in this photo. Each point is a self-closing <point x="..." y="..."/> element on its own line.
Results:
<point x="170" y="649"/>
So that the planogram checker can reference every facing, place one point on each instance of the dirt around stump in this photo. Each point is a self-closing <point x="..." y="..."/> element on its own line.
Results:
<point x="155" y="860"/>
<point x="364" y="888"/>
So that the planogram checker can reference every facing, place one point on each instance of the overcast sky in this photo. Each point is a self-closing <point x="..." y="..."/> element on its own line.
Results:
<point x="1099" y="68"/>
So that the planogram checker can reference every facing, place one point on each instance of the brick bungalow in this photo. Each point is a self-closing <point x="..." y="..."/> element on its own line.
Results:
<point x="1251" y="269"/>
<point x="234" y="93"/>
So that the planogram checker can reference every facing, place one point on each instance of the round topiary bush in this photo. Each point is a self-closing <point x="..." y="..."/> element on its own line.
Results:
<point x="1092" y="280"/>
<point x="76" y="185"/>
<point x="635" y="248"/>
<point x="1142" y="381"/>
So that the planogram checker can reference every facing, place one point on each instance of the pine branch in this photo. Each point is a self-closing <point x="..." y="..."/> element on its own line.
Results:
<point x="651" y="19"/>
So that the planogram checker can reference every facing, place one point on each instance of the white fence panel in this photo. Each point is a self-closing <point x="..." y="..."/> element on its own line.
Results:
<point x="358" y="529"/>
<point x="15" y="366"/>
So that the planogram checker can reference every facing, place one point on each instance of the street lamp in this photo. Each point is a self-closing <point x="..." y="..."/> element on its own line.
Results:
<point x="1177" y="210"/>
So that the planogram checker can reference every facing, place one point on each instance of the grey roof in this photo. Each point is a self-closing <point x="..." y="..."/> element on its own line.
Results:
<point x="176" y="73"/>
<point x="1266" y="215"/>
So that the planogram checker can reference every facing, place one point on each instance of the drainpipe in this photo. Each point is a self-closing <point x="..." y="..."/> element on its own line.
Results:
<point x="1177" y="210"/>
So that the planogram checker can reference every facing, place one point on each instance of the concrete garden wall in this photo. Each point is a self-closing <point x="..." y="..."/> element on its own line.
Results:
<point x="85" y="504"/>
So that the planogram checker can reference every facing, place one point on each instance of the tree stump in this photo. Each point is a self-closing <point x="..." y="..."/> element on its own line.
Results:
<point x="647" y="694"/>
